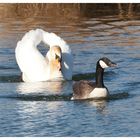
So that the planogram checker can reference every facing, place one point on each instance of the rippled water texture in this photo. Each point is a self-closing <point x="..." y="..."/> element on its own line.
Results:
<point x="92" y="31"/>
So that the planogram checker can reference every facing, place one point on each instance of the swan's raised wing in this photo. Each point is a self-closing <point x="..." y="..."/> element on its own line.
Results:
<point x="67" y="59"/>
<point x="31" y="62"/>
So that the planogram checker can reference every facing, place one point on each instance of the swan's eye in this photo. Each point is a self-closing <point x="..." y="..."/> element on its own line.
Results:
<point x="58" y="58"/>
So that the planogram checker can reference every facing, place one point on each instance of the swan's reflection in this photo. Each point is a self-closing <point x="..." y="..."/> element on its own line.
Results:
<point x="40" y="87"/>
<point x="33" y="112"/>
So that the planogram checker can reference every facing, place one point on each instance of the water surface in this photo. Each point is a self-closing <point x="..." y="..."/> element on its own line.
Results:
<point x="44" y="108"/>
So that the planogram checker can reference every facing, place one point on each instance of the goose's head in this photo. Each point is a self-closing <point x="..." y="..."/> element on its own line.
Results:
<point x="55" y="58"/>
<point x="105" y="63"/>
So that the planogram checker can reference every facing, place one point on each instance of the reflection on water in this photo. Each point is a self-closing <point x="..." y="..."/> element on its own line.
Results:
<point x="50" y="87"/>
<point x="92" y="31"/>
<point x="44" y="91"/>
<point x="51" y="17"/>
<point x="100" y="105"/>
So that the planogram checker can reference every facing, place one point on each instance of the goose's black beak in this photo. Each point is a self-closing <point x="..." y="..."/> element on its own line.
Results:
<point x="112" y="64"/>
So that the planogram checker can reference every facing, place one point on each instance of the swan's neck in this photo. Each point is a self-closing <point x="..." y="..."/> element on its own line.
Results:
<point x="99" y="76"/>
<point x="54" y="69"/>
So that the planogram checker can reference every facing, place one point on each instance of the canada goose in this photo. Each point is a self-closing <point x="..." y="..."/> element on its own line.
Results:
<point x="86" y="89"/>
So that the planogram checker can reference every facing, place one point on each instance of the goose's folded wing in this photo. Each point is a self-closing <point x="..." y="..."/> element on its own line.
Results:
<point x="82" y="89"/>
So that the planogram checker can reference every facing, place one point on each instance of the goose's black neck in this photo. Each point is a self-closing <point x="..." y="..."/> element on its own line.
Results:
<point x="99" y="76"/>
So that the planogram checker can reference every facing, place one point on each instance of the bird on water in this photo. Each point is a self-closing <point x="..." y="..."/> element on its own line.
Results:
<point x="84" y="89"/>
<point x="56" y="65"/>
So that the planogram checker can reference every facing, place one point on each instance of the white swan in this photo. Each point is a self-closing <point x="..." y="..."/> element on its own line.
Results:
<point x="57" y="64"/>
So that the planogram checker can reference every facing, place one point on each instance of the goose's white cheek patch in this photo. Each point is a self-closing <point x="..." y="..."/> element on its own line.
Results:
<point x="103" y="64"/>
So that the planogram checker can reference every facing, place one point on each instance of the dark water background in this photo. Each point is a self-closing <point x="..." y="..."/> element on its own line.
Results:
<point x="92" y="31"/>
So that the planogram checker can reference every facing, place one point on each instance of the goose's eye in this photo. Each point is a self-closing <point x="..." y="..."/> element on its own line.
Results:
<point x="109" y="64"/>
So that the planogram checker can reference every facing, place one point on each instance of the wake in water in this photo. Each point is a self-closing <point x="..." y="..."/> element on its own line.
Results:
<point x="17" y="78"/>
<point x="44" y="98"/>
<point x="58" y="97"/>
<point x="75" y="77"/>
<point x="10" y="79"/>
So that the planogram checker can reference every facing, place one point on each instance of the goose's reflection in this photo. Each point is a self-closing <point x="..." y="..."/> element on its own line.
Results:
<point x="101" y="105"/>
<point x="40" y="87"/>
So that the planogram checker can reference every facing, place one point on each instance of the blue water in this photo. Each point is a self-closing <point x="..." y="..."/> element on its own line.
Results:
<point x="45" y="108"/>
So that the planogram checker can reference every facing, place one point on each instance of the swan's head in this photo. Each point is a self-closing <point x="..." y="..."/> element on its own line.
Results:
<point x="105" y="63"/>
<point x="55" y="57"/>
